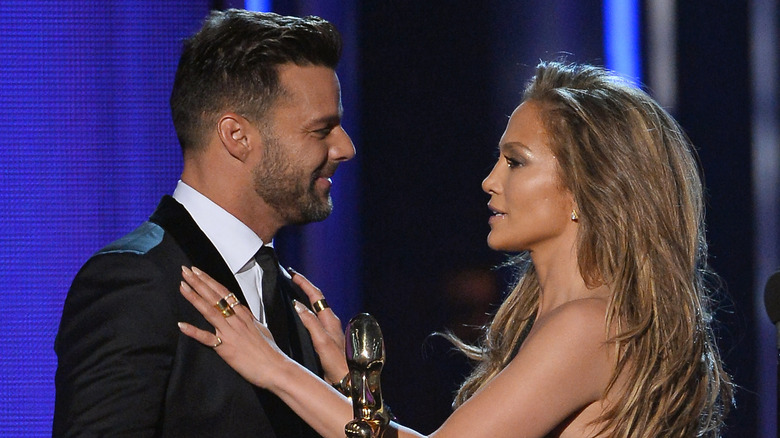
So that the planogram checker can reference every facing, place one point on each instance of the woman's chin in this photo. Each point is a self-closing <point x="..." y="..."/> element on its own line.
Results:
<point x="496" y="244"/>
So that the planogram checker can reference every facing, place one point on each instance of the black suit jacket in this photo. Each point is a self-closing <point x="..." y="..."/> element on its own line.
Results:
<point x="124" y="369"/>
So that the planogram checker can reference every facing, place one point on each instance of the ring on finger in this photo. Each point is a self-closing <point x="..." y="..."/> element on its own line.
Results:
<point x="320" y="305"/>
<point x="223" y="306"/>
<point x="231" y="300"/>
<point x="218" y="343"/>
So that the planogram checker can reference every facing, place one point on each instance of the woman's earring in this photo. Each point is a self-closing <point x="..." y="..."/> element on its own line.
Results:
<point x="574" y="216"/>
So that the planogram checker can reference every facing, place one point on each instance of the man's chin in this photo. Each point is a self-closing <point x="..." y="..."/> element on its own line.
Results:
<point x="322" y="213"/>
<point x="313" y="212"/>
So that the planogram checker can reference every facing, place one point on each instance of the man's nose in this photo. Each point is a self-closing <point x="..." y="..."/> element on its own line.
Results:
<point x="342" y="148"/>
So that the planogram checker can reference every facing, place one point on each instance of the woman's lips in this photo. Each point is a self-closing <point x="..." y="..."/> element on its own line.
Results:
<point x="496" y="215"/>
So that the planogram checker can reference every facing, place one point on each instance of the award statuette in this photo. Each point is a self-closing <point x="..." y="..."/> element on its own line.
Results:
<point x="365" y="350"/>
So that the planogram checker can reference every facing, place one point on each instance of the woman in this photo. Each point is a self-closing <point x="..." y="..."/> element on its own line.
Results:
<point x="607" y="331"/>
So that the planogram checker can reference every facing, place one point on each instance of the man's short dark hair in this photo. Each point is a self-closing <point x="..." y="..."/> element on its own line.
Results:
<point x="231" y="64"/>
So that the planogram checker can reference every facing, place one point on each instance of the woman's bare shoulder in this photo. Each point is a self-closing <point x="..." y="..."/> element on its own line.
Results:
<point x="584" y="317"/>
<point x="572" y="339"/>
<point x="561" y="368"/>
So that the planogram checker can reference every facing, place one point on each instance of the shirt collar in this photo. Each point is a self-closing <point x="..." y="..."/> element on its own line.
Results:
<point x="235" y="241"/>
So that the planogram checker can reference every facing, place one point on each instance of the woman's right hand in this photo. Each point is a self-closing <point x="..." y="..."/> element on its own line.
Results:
<point x="325" y="329"/>
<point x="245" y="344"/>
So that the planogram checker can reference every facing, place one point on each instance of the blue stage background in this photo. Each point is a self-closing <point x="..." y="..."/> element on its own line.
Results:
<point x="89" y="150"/>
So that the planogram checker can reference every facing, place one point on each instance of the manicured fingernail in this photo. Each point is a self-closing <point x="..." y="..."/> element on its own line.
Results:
<point x="185" y="287"/>
<point x="298" y="306"/>
<point x="197" y="271"/>
<point x="184" y="270"/>
<point x="293" y="271"/>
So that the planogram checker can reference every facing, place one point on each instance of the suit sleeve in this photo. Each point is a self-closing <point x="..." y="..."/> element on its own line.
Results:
<point x="115" y="348"/>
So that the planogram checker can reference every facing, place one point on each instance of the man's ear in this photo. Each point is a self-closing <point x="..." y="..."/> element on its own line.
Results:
<point x="234" y="133"/>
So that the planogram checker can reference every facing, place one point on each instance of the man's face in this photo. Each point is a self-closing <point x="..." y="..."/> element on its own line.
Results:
<point x="304" y="143"/>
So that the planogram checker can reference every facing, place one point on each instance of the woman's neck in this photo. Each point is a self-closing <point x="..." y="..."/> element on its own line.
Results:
<point x="560" y="280"/>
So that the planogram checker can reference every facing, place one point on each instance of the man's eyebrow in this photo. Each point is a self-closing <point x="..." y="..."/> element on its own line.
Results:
<point x="329" y="120"/>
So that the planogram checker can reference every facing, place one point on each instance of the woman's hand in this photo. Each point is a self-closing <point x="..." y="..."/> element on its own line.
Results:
<point x="245" y="344"/>
<point x="325" y="329"/>
<point x="248" y="347"/>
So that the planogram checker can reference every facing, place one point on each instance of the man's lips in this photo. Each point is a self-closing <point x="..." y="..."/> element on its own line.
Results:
<point x="322" y="176"/>
<point x="326" y="172"/>
<point x="325" y="178"/>
<point x="323" y="181"/>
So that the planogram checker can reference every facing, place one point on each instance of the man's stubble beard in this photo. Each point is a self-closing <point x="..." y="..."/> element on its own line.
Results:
<point x="289" y="191"/>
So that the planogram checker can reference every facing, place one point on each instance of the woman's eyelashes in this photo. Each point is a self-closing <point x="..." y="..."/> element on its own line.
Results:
<point x="512" y="163"/>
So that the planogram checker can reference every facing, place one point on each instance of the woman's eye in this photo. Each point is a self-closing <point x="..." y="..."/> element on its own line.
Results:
<point x="511" y="162"/>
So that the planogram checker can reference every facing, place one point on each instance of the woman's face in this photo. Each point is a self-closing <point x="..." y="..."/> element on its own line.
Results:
<point x="531" y="209"/>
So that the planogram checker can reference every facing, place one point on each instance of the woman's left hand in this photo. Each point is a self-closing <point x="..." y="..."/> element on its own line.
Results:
<point x="245" y="344"/>
<point x="325" y="329"/>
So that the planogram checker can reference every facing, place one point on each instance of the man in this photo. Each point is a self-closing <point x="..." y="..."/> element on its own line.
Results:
<point x="257" y="108"/>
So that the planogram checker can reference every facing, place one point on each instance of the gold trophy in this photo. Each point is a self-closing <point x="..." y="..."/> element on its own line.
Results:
<point x="365" y="350"/>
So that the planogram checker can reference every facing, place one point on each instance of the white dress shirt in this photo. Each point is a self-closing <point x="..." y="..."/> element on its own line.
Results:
<point x="236" y="243"/>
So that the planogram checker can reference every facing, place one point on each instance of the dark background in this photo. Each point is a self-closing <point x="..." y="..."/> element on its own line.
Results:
<point x="438" y="81"/>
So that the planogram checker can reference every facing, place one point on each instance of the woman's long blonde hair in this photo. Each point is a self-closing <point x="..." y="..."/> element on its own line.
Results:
<point x="636" y="184"/>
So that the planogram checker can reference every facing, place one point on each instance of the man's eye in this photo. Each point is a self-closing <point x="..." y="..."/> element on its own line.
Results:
<point x="324" y="132"/>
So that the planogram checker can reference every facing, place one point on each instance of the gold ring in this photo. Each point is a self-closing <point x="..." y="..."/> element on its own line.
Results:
<point x="232" y="300"/>
<point x="218" y="343"/>
<point x="344" y="386"/>
<point x="223" y="306"/>
<point x="319" y="305"/>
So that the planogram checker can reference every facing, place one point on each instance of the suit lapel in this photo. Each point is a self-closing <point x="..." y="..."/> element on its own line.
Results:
<point x="176" y="221"/>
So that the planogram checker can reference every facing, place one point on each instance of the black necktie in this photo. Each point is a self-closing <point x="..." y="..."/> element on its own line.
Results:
<point x="278" y="310"/>
<point x="273" y="299"/>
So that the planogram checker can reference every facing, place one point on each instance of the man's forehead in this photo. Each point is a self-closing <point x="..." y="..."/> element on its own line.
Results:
<point x="311" y="87"/>
<point x="301" y="76"/>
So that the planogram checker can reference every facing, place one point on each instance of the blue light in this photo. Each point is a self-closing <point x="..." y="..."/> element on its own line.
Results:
<point x="90" y="150"/>
<point x="621" y="38"/>
<point x="258" y="5"/>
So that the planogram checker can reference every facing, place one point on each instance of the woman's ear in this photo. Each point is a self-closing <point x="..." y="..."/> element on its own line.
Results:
<point x="234" y="133"/>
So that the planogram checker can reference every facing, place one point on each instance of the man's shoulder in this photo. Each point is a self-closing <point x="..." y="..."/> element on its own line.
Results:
<point x="139" y="241"/>
<point x="145" y="253"/>
<point x="151" y="246"/>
